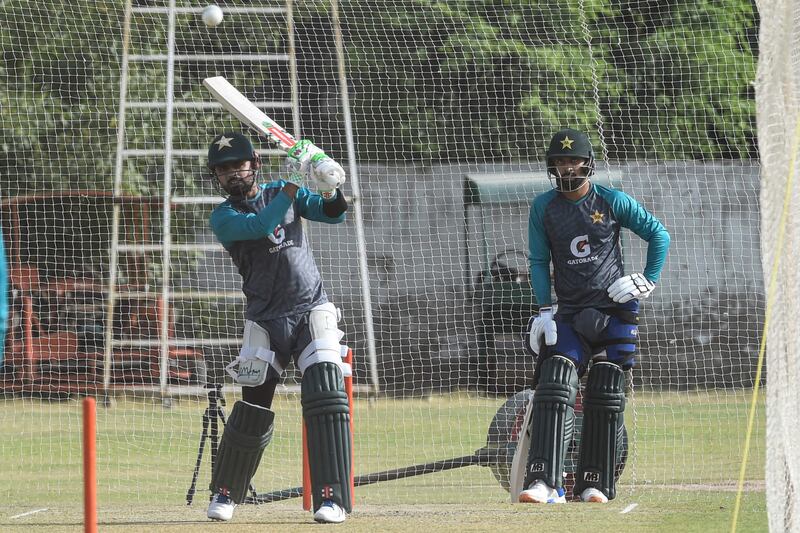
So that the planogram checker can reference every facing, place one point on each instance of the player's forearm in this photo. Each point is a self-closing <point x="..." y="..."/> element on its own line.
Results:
<point x="234" y="226"/>
<point x="540" y="281"/>
<point x="657" y="248"/>
<point x="290" y="190"/>
<point x="313" y="207"/>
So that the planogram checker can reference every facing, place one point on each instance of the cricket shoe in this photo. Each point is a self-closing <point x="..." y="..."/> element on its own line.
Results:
<point x="221" y="507"/>
<point x="330" y="513"/>
<point x="541" y="492"/>
<point x="593" y="495"/>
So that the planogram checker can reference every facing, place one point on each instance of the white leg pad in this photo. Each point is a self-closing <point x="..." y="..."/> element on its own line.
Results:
<point x="519" y="464"/>
<point x="323" y="320"/>
<point x="250" y="367"/>
<point x="324" y="346"/>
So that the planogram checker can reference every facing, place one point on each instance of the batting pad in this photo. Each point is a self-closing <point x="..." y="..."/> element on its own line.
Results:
<point x="247" y="433"/>
<point x="603" y="406"/>
<point x="519" y="465"/>
<point x="553" y="421"/>
<point x="326" y="411"/>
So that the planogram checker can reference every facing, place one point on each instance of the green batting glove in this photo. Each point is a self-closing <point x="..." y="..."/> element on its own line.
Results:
<point x="296" y="178"/>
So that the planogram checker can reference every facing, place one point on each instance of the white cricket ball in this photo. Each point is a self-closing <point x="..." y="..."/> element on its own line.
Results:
<point x="212" y="15"/>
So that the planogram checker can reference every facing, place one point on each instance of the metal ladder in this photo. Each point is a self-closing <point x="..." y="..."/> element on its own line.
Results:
<point x="117" y="248"/>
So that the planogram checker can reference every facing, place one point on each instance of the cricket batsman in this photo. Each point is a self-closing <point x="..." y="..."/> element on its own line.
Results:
<point x="288" y="316"/>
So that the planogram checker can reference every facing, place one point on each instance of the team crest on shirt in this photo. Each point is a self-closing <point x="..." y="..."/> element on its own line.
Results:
<point x="597" y="217"/>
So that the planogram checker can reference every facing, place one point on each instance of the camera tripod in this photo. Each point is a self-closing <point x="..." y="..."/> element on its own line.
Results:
<point x="212" y="416"/>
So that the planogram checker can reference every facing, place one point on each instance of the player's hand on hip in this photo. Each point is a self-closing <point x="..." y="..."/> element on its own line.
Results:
<point x="629" y="287"/>
<point x="540" y="326"/>
<point x="299" y="159"/>
<point x="328" y="175"/>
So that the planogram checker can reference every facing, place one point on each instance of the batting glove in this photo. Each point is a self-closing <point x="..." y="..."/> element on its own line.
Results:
<point x="327" y="174"/>
<point x="540" y="326"/>
<point x="629" y="287"/>
<point x="299" y="160"/>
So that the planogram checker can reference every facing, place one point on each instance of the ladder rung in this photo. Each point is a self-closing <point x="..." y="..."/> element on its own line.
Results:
<point x="211" y="247"/>
<point x="186" y="153"/>
<point x="182" y="295"/>
<point x="202" y="105"/>
<point x="202" y="200"/>
<point x="210" y="57"/>
<point x="161" y="151"/>
<point x="146" y="343"/>
<point x="227" y="10"/>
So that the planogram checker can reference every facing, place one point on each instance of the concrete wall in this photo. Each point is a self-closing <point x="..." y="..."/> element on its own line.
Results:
<point x="700" y="328"/>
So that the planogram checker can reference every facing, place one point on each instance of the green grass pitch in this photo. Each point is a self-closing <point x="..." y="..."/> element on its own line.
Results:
<point x="682" y="473"/>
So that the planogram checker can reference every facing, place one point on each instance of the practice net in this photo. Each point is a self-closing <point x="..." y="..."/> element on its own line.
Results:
<point x="452" y="104"/>
<point x="777" y="92"/>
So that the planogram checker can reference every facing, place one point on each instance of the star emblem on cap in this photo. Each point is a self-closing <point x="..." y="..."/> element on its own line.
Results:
<point x="597" y="217"/>
<point x="224" y="142"/>
<point x="566" y="142"/>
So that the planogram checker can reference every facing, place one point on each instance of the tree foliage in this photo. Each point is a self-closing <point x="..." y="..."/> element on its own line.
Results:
<point x="431" y="80"/>
<point x="454" y="80"/>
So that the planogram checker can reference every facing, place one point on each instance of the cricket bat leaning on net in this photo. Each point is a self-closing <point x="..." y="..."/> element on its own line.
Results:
<point x="243" y="109"/>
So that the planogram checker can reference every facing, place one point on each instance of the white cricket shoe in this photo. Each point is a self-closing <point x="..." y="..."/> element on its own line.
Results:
<point x="593" y="495"/>
<point x="330" y="513"/>
<point x="221" y="507"/>
<point x="541" y="492"/>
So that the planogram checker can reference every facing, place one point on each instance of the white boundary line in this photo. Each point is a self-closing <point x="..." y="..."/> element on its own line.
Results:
<point x="28" y="513"/>
<point x="629" y="508"/>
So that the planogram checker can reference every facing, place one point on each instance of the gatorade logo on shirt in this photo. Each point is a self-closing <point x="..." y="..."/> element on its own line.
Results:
<point x="580" y="248"/>
<point x="278" y="235"/>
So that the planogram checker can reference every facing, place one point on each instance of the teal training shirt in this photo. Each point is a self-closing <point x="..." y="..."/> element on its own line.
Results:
<point x="582" y="240"/>
<point x="265" y="239"/>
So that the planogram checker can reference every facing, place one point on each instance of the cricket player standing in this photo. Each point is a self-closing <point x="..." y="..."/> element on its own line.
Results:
<point x="576" y="227"/>
<point x="288" y="316"/>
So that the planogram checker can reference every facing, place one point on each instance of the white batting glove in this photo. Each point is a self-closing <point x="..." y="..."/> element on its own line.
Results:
<point x="629" y="287"/>
<point x="327" y="174"/>
<point x="542" y="325"/>
<point x="299" y="159"/>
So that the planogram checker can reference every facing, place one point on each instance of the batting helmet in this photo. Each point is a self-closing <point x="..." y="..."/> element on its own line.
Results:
<point x="228" y="147"/>
<point x="570" y="143"/>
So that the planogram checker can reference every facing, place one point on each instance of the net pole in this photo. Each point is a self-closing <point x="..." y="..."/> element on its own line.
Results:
<point x="369" y="327"/>
<point x="113" y="252"/>
<point x="89" y="465"/>
<point x="166" y="236"/>
<point x="348" y="387"/>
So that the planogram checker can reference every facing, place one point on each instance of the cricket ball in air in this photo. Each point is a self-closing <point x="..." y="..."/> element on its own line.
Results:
<point x="212" y="15"/>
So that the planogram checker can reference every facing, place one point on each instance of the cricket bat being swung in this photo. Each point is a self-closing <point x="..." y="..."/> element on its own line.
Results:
<point x="243" y="109"/>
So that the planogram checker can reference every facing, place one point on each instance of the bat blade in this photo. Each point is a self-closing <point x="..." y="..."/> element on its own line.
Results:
<point x="247" y="112"/>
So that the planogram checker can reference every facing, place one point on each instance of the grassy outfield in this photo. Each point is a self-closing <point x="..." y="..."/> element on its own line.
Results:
<point x="681" y="476"/>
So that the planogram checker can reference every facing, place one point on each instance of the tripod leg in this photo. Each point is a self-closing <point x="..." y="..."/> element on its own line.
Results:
<point x="213" y="433"/>
<point x="203" y="436"/>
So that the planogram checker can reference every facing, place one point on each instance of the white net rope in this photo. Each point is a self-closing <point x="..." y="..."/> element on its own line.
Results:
<point x="778" y="119"/>
<point x="453" y="104"/>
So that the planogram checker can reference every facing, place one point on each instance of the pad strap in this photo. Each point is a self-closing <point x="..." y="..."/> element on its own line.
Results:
<point x="601" y="436"/>
<point x="247" y="432"/>
<point x="552" y="421"/>
<point x="325" y="350"/>
<point x="251" y="366"/>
